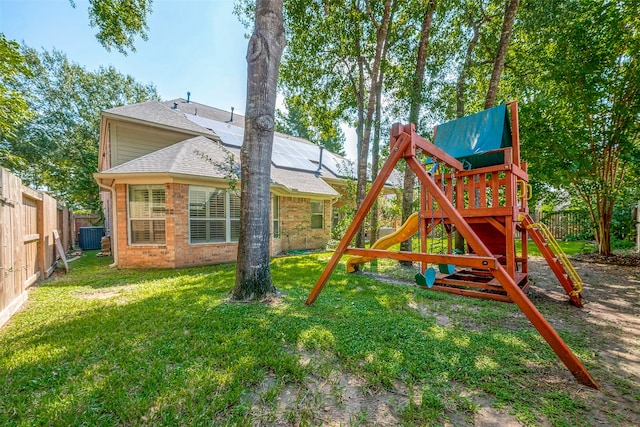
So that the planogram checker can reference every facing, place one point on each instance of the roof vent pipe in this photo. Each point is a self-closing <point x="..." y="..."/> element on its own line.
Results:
<point x="188" y="96"/>
<point x="175" y="105"/>
<point x="231" y="119"/>
<point x="320" y="161"/>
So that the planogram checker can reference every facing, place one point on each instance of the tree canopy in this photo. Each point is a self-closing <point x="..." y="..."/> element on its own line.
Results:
<point x="119" y="22"/>
<point x="581" y="115"/>
<point x="57" y="148"/>
<point x="13" y="104"/>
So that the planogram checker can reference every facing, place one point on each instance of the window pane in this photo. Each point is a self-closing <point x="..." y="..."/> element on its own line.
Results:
<point x="198" y="231"/>
<point x="158" y="232"/>
<point x="316" y="221"/>
<point x="140" y="231"/>
<point x="217" y="231"/>
<point x="234" y="206"/>
<point x="317" y="207"/>
<point x="276" y="217"/>
<point x="235" y="230"/>
<point x="146" y="231"/>
<point x="158" y="204"/>
<point x="216" y="204"/>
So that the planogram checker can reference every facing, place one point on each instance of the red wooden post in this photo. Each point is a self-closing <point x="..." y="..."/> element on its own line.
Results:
<point x="399" y="143"/>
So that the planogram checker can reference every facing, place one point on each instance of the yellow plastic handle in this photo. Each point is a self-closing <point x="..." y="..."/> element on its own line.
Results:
<point x="527" y="189"/>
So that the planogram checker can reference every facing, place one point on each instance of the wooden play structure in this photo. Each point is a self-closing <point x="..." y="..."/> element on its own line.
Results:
<point x="474" y="183"/>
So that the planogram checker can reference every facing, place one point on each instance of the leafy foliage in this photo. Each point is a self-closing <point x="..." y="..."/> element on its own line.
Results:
<point x="582" y="86"/>
<point x="13" y="104"/>
<point x="306" y="120"/>
<point x="57" y="149"/>
<point x="119" y="21"/>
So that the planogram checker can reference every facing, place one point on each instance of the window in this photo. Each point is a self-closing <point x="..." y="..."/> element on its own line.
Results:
<point x="146" y="214"/>
<point x="214" y="215"/>
<point x="317" y="214"/>
<point x="276" y="217"/>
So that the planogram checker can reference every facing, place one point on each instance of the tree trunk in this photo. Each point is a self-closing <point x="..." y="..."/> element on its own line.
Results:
<point x="460" y="102"/>
<point x="501" y="54"/>
<point x="361" y="168"/>
<point x="363" y="152"/>
<point x="414" y="116"/>
<point x="375" y="160"/>
<point x="253" y="274"/>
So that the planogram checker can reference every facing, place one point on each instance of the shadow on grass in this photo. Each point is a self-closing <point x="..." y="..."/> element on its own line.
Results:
<point x="164" y="348"/>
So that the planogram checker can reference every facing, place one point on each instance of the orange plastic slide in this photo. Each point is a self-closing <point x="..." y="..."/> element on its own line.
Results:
<point x="407" y="230"/>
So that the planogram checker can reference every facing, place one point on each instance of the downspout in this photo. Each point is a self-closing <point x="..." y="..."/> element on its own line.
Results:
<point x="114" y="223"/>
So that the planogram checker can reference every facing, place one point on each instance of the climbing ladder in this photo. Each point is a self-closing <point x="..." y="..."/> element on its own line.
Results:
<point x="556" y="258"/>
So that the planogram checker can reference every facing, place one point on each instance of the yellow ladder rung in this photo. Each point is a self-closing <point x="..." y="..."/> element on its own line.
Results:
<point x="557" y="250"/>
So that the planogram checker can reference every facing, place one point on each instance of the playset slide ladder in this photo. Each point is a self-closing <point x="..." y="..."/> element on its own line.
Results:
<point x="556" y="258"/>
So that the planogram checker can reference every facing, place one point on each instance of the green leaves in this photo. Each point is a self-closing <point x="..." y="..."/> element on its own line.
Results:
<point x="57" y="148"/>
<point x="13" y="105"/>
<point x="119" y="21"/>
<point x="580" y="124"/>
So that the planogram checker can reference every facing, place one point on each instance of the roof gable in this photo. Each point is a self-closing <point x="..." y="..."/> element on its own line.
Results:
<point x="203" y="157"/>
<point x="154" y="113"/>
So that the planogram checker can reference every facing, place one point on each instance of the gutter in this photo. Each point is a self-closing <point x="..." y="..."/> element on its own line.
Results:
<point x="114" y="223"/>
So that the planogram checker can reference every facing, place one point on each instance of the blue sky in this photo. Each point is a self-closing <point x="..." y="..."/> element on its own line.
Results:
<point x="194" y="45"/>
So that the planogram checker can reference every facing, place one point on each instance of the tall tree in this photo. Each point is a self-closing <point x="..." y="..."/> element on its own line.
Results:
<point x="305" y="119"/>
<point x="253" y="274"/>
<point x="119" y="22"/>
<point x="381" y="27"/>
<point x="13" y="104"/>
<point x="511" y="7"/>
<point x="415" y="102"/>
<point x="581" y="124"/>
<point x="57" y="148"/>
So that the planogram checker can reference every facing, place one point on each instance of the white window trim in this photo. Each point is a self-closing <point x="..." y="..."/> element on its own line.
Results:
<point x="316" y="213"/>
<point x="276" y="201"/>
<point x="227" y="218"/>
<point x="130" y="218"/>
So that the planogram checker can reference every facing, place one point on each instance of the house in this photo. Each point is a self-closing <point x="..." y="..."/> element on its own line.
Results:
<point x="168" y="178"/>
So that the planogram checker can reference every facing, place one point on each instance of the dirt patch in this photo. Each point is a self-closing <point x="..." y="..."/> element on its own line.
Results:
<point x="610" y="321"/>
<point x="629" y="259"/>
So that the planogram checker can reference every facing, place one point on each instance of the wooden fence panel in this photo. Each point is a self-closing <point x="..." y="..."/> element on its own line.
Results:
<point x="12" y="293"/>
<point x="30" y="239"/>
<point x="27" y="248"/>
<point x="568" y="224"/>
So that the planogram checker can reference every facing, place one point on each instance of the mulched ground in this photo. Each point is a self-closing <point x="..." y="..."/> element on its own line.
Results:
<point x="628" y="259"/>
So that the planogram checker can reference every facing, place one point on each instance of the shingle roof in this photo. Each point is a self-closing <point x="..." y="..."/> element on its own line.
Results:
<point x="154" y="112"/>
<point x="202" y="110"/>
<point x="203" y="157"/>
<point x="198" y="156"/>
<point x="197" y="118"/>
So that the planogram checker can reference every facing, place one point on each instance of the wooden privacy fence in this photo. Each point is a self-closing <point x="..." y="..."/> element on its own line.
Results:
<point x="27" y="246"/>
<point x="568" y="224"/>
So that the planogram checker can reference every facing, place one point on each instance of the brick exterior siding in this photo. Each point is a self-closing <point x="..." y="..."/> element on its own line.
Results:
<point x="295" y="233"/>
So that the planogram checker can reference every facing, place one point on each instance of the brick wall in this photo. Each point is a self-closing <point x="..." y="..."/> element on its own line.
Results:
<point x="295" y="227"/>
<point x="201" y="253"/>
<point x="136" y="256"/>
<point x="295" y="218"/>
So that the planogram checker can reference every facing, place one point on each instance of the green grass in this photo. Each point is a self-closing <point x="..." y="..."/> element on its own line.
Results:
<point x="101" y="346"/>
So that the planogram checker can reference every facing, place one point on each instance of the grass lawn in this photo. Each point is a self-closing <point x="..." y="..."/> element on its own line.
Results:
<point x="101" y="346"/>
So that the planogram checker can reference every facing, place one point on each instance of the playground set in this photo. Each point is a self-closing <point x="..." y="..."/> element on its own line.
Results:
<point x="474" y="183"/>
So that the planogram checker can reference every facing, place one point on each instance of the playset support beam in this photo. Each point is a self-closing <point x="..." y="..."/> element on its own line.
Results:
<point x="403" y="144"/>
